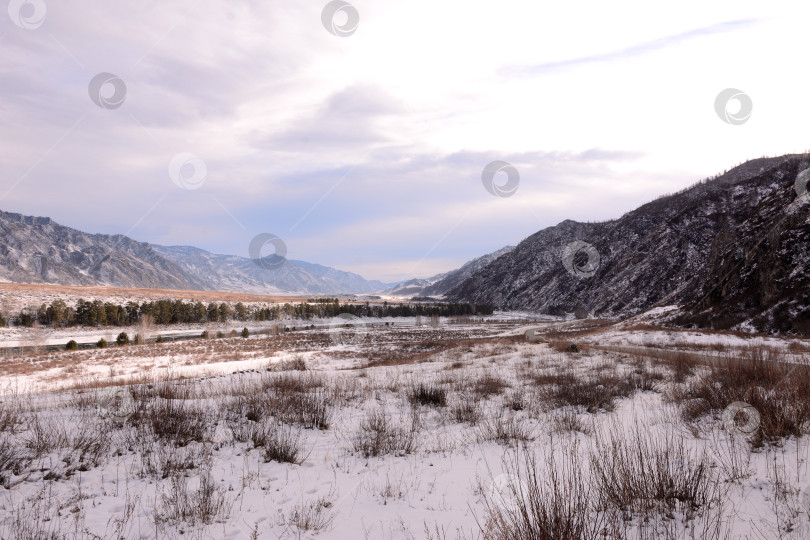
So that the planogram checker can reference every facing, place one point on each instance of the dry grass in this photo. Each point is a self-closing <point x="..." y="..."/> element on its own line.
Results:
<point x="380" y="435"/>
<point x="780" y="393"/>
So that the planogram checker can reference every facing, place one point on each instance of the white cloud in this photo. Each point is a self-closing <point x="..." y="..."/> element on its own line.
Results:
<point x="365" y="152"/>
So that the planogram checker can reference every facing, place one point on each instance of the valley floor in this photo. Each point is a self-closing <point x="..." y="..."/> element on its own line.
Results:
<point x="455" y="431"/>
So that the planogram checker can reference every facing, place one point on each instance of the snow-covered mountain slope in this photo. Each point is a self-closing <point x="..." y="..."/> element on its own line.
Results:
<point x="439" y="284"/>
<point x="731" y="251"/>
<point x="232" y="273"/>
<point x="39" y="250"/>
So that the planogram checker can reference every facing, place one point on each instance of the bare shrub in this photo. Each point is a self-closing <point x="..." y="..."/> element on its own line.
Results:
<point x="507" y="429"/>
<point x="161" y="460"/>
<point x="564" y="346"/>
<point x="12" y="461"/>
<point x="594" y="392"/>
<point x="315" y="515"/>
<point x="310" y="410"/>
<point x="780" y="392"/>
<point x="175" y="420"/>
<point x="489" y="385"/>
<point x="205" y="505"/>
<point x="379" y="435"/>
<point x="516" y="400"/>
<point x="33" y="520"/>
<point x="681" y="363"/>
<point x="646" y="473"/>
<point x="428" y="394"/>
<point x="546" y="499"/>
<point x="466" y="410"/>
<point x="297" y="363"/>
<point x="567" y="420"/>
<point x="283" y="444"/>
<point x="10" y="414"/>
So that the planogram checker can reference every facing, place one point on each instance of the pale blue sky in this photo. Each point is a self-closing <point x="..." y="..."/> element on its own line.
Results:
<point x="365" y="152"/>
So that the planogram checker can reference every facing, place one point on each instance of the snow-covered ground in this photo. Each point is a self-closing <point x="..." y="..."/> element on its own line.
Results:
<point x="80" y="464"/>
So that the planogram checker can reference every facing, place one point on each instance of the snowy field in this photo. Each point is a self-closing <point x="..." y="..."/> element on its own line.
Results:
<point x="455" y="431"/>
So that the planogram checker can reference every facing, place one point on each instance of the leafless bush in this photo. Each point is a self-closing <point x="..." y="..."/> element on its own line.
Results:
<point x="546" y="499"/>
<point x="489" y="385"/>
<point x="205" y="505"/>
<point x="310" y="410"/>
<point x="176" y="420"/>
<point x="10" y="414"/>
<point x="45" y="433"/>
<point x="516" y="400"/>
<point x="297" y="363"/>
<point x="428" y="394"/>
<point x="32" y="521"/>
<point x="379" y="435"/>
<point x="681" y="363"/>
<point x="507" y="429"/>
<point x="315" y="515"/>
<point x="567" y="420"/>
<point x="646" y="473"/>
<point x="780" y="392"/>
<point x="162" y="460"/>
<point x="466" y="410"/>
<point x="283" y="444"/>
<point x="564" y="346"/>
<point x="12" y="461"/>
<point x="594" y="392"/>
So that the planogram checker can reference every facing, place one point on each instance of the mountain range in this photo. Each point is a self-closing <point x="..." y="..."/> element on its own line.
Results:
<point x="39" y="250"/>
<point x="731" y="252"/>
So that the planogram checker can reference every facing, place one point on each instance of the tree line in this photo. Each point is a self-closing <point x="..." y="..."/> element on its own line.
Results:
<point x="165" y="312"/>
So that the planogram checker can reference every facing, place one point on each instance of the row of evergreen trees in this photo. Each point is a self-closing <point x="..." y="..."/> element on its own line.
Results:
<point x="97" y="313"/>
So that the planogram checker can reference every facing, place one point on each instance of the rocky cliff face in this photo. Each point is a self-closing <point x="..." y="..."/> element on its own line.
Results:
<point x="38" y="250"/>
<point x="731" y="252"/>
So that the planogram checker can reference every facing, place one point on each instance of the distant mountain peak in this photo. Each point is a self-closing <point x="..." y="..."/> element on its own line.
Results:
<point x="39" y="250"/>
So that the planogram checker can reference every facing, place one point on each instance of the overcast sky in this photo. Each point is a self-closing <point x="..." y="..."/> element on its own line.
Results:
<point x="365" y="151"/>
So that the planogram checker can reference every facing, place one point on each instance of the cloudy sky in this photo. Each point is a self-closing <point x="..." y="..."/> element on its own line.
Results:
<point x="364" y="150"/>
